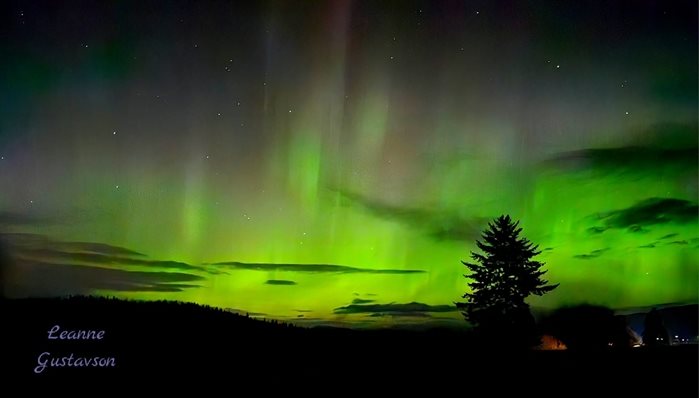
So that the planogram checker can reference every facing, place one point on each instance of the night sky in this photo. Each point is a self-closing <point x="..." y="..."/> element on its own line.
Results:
<point x="334" y="161"/>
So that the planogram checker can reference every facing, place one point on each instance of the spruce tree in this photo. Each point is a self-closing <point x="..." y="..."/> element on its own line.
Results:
<point x="503" y="276"/>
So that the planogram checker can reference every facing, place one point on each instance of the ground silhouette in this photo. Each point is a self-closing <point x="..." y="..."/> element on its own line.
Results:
<point x="588" y="328"/>
<point x="173" y="344"/>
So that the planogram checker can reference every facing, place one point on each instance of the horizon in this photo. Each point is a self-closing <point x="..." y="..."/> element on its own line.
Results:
<point x="681" y="325"/>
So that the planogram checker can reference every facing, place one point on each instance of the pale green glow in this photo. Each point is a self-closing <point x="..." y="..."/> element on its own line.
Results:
<point x="557" y="215"/>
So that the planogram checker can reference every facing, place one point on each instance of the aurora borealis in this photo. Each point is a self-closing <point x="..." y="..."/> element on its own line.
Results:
<point x="334" y="161"/>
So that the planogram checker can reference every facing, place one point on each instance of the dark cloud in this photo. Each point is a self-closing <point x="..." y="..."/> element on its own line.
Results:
<point x="103" y="259"/>
<point x="660" y="241"/>
<point x="660" y="146"/>
<point x="670" y="135"/>
<point x="651" y="212"/>
<point x="314" y="268"/>
<point x="393" y="308"/>
<point x="668" y="236"/>
<point x="32" y="278"/>
<point x="39" y="247"/>
<point x="36" y="241"/>
<point x="439" y="224"/>
<point x="280" y="282"/>
<point x="92" y="247"/>
<point x="625" y="158"/>
<point x="24" y="240"/>
<point x="39" y="266"/>
<point x="412" y="314"/>
<point x="306" y="321"/>
<point x="8" y="218"/>
<point x="457" y="229"/>
<point x="637" y="229"/>
<point x="399" y="320"/>
<point x="596" y="230"/>
<point x="332" y="324"/>
<point x="362" y="301"/>
<point x="679" y="242"/>
<point x="591" y="255"/>
<point x="411" y="215"/>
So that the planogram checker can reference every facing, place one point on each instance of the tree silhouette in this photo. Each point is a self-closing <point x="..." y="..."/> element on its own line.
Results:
<point x="589" y="327"/>
<point x="503" y="277"/>
<point x="654" y="332"/>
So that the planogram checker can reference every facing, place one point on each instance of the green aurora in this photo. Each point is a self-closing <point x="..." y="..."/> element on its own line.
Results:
<point x="327" y="167"/>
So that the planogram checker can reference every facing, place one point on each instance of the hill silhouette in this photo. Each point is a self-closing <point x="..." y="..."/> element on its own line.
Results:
<point x="166" y="342"/>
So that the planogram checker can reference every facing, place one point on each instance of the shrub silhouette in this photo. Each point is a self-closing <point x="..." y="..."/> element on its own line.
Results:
<point x="588" y="327"/>
<point x="654" y="332"/>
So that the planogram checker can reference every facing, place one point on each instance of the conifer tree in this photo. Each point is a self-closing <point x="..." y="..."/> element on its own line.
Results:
<point x="503" y="276"/>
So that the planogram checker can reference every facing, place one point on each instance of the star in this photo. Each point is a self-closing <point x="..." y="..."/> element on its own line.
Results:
<point x="117" y="187"/>
<point x="558" y="66"/>
<point x="113" y="132"/>
<point x="627" y="112"/>
<point x="219" y="114"/>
